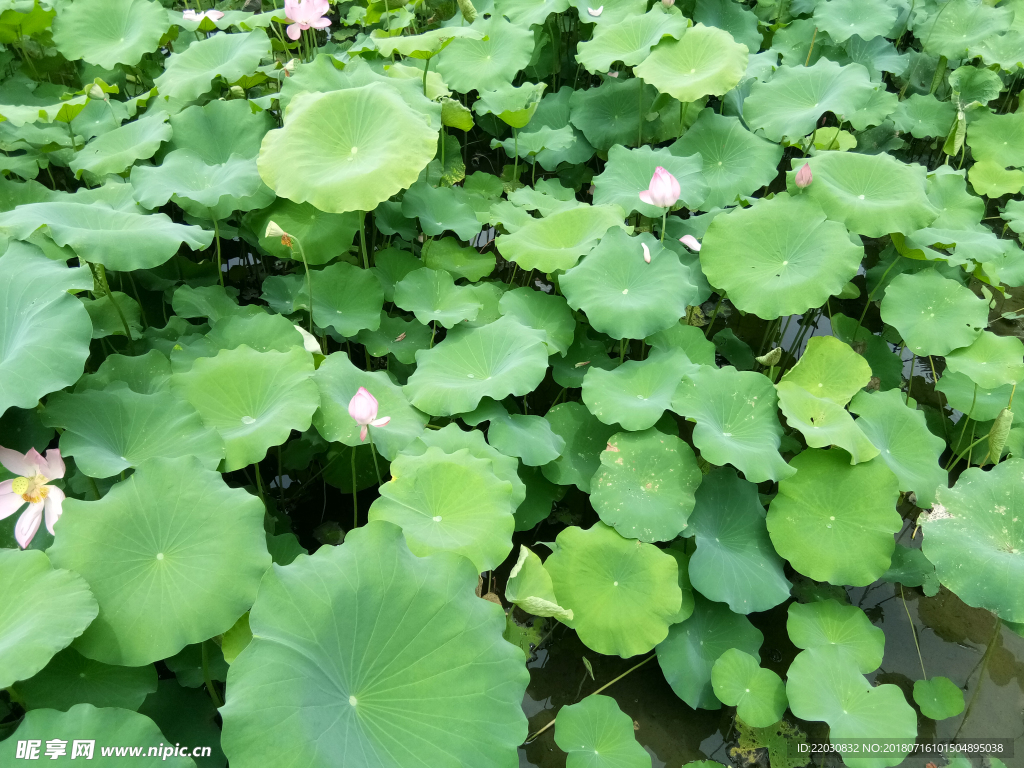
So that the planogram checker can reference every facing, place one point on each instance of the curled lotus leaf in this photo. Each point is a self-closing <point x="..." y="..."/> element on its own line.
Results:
<point x="529" y="586"/>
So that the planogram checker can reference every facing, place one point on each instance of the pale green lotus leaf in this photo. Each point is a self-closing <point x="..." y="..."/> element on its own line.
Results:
<point x="638" y="392"/>
<point x="544" y="312"/>
<point x="829" y="368"/>
<point x="211" y="301"/>
<point x="529" y="12"/>
<point x="972" y="84"/>
<point x="71" y="679"/>
<point x="629" y="41"/>
<point x="321" y="236"/>
<point x="532" y="143"/>
<point x="705" y="62"/>
<point x="558" y="241"/>
<point x="524" y="436"/>
<point x="736" y="19"/>
<point x="1005" y="51"/>
<point x="970" y="399"/>
<point x="687" y="338"/>
<point x="824" y="422"/>
<point x="553" y="112"/>
<point x="585" y="438"/>
<point x="446" y="254"/>
<point x="997" y="138"/>
<point x="613" y="12"/>
<point x="628" y="172"/>
<point x="529" y="586"/>
<point x="190" y="74"/>
<point x="262" y="332"/>
<point x="425" y="45"/>
<point x="219" y="129"/>
<point x="758" y="694"/>
<point x="951" y="31"/>
<point x="345" y="297"/>
<point x="109" y="32"/>
<point x="513" y="105"/>
<point x="117" y="150"/>
<point x="828" y="623"/>
<point x="597" y="734"/>
<point x="106" y="321"/>
<point x="938" y="698"/>
<point x="990" y="361"/>
<point x="391" y="265"/>
<point x="933" y="314"/>
<point x="867" y="19"/>
<point x="991" y="179"/>
<point x="470" y="64"/>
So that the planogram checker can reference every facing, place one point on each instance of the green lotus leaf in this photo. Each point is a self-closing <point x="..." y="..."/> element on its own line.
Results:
<point x="779" y="256"/>
<point x="830" y="369"/>
<point x="469" y="64"/>
<point x="111" y="430"/>
<point x="621" y="592"/>
<point x="585" y="438"/>
<point x="623" y="295"/>
<point x="529" y="12"/>
<point x="827" y="623"/>
<point x="994" y="137"/>
<point x="190" y="74"/>
<point x="614" y="12"/>
<point x="933" y="314"/>
<point x="907" y="446"/>
<point x="912" y="569"/>
<point x="734" y="561"/>
<point x="823" y="422"/>
<point x="117" y="150"/>
<point x="970" y="538"/>
<point x="553" y="112"/>
<point x="219" y="129"/>
<point x="705" y="62"/>
<point x="425" y="45"/>
<point x="628" y="172"/>
<point x="970" y="399"/>
<point x="446" y="254"/>
<point x="737" y="421"/>
<point x="991" y="179"/>
<point x="737" y="20"/>
<point x="1005" y="51"/>
<point x="532" y="143"/>
<point x="397" y="337"/>
<point x="638" y="392"/>
<point x="758" y="694"/>
<point x="923" y="116"/>
<point x="611" y="113"/>
<point x="37" y="312"/>
<point x="321" y="236"/>
<point x="338" y="380"/>
<point x="682" y="559"/>
<point x="376" y="647"/>
<point x="109" y="725"/>
<point x="527" y="437"/>
<point x="834" y="521"/>
<point x="103" y="312"/>
<point x="261" y="332"/>
<point x="960" y="26"/>
<point x="583" y="354"/>
<point x="109" y="32"/>
<point x="211" y="301"/>
<point x="440" y="209"/>
<point x="391" y="265"/>
<point x="541" y="494"/>
<point x="42" y="610"/>
<point x="544" y="312"/>
<point x="71" y="679"/>
<point x="513" y="105"/>
<point x="792" y="101"/>
<point x="971" y="84"/>
<point x="547" y="197"/>
<point x="431" y="294"/>
<point x="644" y="488"/>
<point x="345" y="297"/>
<point x="938" y="698"/>
<point x="597" y="734"/>
<point x="692" y="647"/>
<point x="687" y="338"/>
<point x="253" y="399"/>
<point x="558" y="241"/>
<point x="824" y="684"/>
<point x="629" y="41"/>
<point x="173" y="555"/>
<point x="990" y="361"/>
<point x="144" y="374"/>
<point x="842" y="19"/>
<point x="529" y="586"/>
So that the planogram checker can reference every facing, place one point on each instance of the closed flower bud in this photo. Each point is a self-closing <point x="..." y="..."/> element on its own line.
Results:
<point x="804" y="177"/>
<point x="690" y="242"/>
<point x="770" y="359"/>
<point x="997" y="436"/>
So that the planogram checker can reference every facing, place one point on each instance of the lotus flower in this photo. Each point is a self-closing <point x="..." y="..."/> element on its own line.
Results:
<point x="305" y="14"/>
<point x="34" y="472"/>
<point x="690" y="242"/>
<point x="212" y="15"/>
<point x="363" y="408"/>
<point x="663" y="190"/>
<point x="804" y="177"/>
<point x="668" y="3"/>
<point x="595" y="11"/>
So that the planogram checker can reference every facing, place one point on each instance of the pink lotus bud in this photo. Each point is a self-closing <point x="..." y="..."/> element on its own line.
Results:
<point x="804" y="177"/>
<point x="613" y="74"/>
<point x="690" y="242"/>
<point x="668" y="3"/>
<point x="363" y="410"/>
<point x="663" y="190"/>
<point x="647" y="252"/>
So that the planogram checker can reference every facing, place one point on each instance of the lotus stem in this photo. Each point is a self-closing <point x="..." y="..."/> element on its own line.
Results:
<point x="664" y="219"/>
<point x="981" y="672"/>
<point x="355" y="493"/>
<point x="913" y="631"/>
<point x="309" y="281"/>
<point x="711" y="322"/>
<point x="426" y="68"/>
<point x="373" y="451"/>
<point x="100" y="275"/>
<point x="216" y="238"/>
<point x="217" y="703"/>
<point x="515" y="161"/>
<point x="811" y="49"/>
<point x="362" y="234"/>
<point x="867" y="300"/>
<point x="967" y="418"/>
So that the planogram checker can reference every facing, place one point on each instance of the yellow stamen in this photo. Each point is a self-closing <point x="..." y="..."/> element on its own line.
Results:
<point x="31" y="489"/>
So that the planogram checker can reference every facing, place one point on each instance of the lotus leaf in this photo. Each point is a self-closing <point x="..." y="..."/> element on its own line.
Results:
<point x="614" y="12"/>
<point x="758" y="694"/>
<point x="71" y="679"/>
<point x="440" y="209"/>
<point x="558" y="241"/>
<point x="970" y="399"/>
<point x="446" y="254"/>
<point x="629" y="41"/>
<point x="830" y="369"/>
<point x="321" y="236"/>
<point x="117" y="150"/>
<point x="527" y="437"/>
<point x="397" y="337"/>
<point x="842" y="19"/>
<point x="990" y="361"/>
<point x="688" y="339"/>
<point x="933" y="314"/>
<point x="530" y="12"/>
<point x="345" y="297"/>
<point x="190" y="74"/>
<point x="705" y="62"/>
<point x="144" y="374"/>
<point x="938" y="698"/>
<point x="529" y="586"/>
<point x="823" y="422"/>
<point x="737" y="20"/>
<point x="425" y="45"/>
<point x="924" y="116"/>
<point x="827" y="623"/>
<point x="638" y="392"/>
<point x="628" y="171"/>
<point x="962" y="25"/>
<point x="611" y="113"/>
<point x="542" y="312"/>
<point x="585" y="438"/>
<point x="129" y="30"/>
<point x="469" y="64"/>
<point x="513" y="105"/>
<point x="597" y="734"/>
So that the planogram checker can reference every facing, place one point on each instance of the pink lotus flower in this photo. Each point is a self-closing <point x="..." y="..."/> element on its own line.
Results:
<point x="34" y="472"/>
<point x="668" y="3"/>
<point x="212" y="15"/>
<point x="363" y="408"/>
<point x="804" y="177"/>
<point x="690" y="242"/>
<point x="663" y="191"/>
<point x="305" y="14"/>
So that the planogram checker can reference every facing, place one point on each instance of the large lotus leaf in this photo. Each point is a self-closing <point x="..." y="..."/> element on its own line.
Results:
<point x="829" y="368"/>
<point x="71" y="679"/>
<point x="692" y="647"/>
<point x="544" y="312"/>
<point x="190" y="74"/>
<point x="585" y="438"/>
<point x="44" y="329"/>
<point x="345" y="297"/>
<point x="790" y="103"/>
<point x="873" y="195"/>
<point x="363" y="650"/>
<point x="628" y="172"/>
<point x="623" y="295"/>
<point x="144" y="374"/>
<point x="338" y="380"/>
<point x="321" y="236"/>
<point x="705" y="62"/>
<point x="332" y="154"/>
<point x="622" y="592"/>
<point x="834" y="521"/>
<point x="496" y="360"/>
<point x="449" y="502"/>
<point x="924" y="116"/>
<point x="446" y="254"/>
<point x="737" y="420"/>
<point x="638" y="392"/>
<point x="597" y="734"/>
<point x="976" y="539"/>
<point x="108" y="431"/>
<point x="827" y="623"/>
<point x="644" y="488"/>
<point x="824" y="684"/>
<point x="823" y="422"/>
<point x="529" y="586"/>
<point x="904" y="440"/>
<point x="253" y="399"/>
<point x="513" y="105"/>
<point x="990" y="361"/>
<point x="173" y="555"/>
<point x="991" y="179"/>
<point x="997" y="138"/>
<point x="758" y="694"/>
<point x="867" y="19"/>
<point x="558" y="241"/>
<point x="933" y="314"/>
<point x="629" y="41"/>
<point x="440" y="209"/>
<point x="42" y="610"/>
<point x="1006" y="51"/>
<point x="117" y="150"/>
<point x="469" y="64"/>
<point x="734" y="561"/>
<point x="219" y="129"/>
<point x="109" y="32"/>
<point x="950" y="31"/>
<point x="106" y="726"/>
<point x="779" y="256"/>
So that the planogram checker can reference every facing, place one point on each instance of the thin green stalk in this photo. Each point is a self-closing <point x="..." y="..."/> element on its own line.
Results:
<point x="309" y="281"/>
<point x="867" y="301"/>
<point x="714" y="314"/>
<point x="913" y="631"/>
<point x="217" y="703"/>
<point x="355" y="493"/>
<point x="93" y="487"/>
<point x="216" y="237"/>
<point x="101" y="274"/>
<point x="640" y="115"/>
<point x="426" y="68"/>
<point x="622" y="349"/>
<point x="963" y="429"/>
<point x="515" y="162"/>
<point x="373" y="451"/>
<point x="664" y="219"/>
<point x="259" y="484"/>
<point x="362" y="236"/>
<point x="810" y="50"/>
<point x="910" y="384"/>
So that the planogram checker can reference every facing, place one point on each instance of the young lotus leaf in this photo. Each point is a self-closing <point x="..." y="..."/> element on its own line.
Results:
<point x="513" y="105"/>
<point x="734" y="561"/>
<point x="834" y="521"/>
<point x="42" y="609"/>
<point x="111" y="430"/>
<point x="597" y="734"/>
<point x="330" y="152"/>
<point x="558" y="241"/>
<point x="173" y="555"/>
<point x="924" y="116"/>
<point x="363" y="649"/>
<point x="109" y="32"/>
<point x="447" y="255"/>
<point x="939" y="698"/>
<point x="544" y="312"/>
<point x="338" y="380"/>
<point x="253" y="399"/>
<point x="321" y="235"/>
<point x="827" y="623"/>
<point x="638" y="392"/>
<point x="975" y="539"/>
<point x="527" y="437"/>
<point x="529" y="586"/>
<point x="991" y="179"/>
<point x="190" y="74"/>
<point x="758" y="694"/>
<point x="965" y="23"/>
<point x="117" y="150"/>
<point x="842" y="19"/>
<point x="823" y="422"/>
<point x="469" y="64"/>
<point x="629" y="41"/>
<point x="705" y="62"/>
<point x="644" y="488"/>
<point x="623" y="295"/>
<point x="933" y="314"/>
<point x="779" y="256"/>
<point x="585" y="438"/>
<point x="71" y="679"/>
<point x="737" y="421"/>
<point x="905" y="443"/>
<point x="829" y="368"/>
<point x="629" y="171"/>
<point x="440" y="209"/>
<point x="345" y="297"/>
<point x="912" y="569"/>
<point x="496" y="360"/>
<point x="990" y="361"/>
<point x="692" y="647"/>
<point x="622" y="593"/>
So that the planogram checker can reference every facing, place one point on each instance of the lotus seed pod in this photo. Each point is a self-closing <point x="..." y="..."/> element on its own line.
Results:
<point x="997" y="437"/>
<point x="770" y="359"/>
<point x="468" y="11"/>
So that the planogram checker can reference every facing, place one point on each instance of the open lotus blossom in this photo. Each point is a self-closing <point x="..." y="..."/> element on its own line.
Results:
<point x="690" y="242"/>
<point x="363" y="408"/>
<point x="306" y="14"/>
<point x="647" y="252"/>
<point x="595" y="11"/>
<point x="212" y="15"/>
<point x="663" y="190"/>
<point x="31" y="487"/>
<point x="804" y="177"/>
